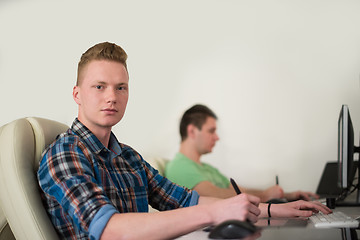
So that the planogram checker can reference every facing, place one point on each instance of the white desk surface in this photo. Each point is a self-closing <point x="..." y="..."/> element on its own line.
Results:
<point x="284" y="229"/>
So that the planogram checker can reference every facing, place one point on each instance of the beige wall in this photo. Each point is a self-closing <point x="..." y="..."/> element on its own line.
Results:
<point x="276" y="73"/>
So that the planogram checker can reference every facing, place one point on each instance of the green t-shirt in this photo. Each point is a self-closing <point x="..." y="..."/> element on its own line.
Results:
<point x="185" y="172"/>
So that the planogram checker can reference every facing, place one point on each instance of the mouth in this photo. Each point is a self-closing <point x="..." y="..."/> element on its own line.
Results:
<point x="109" y="110"/>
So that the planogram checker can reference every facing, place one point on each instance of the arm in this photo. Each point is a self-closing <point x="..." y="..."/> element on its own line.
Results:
<point x="293" y="209"/>
<point x="160" y="225"/>
<point x="267" y="194"/>
<point x="277" y="192"/>
<point x="300" y="195"/>
<point x="206" y="188"/>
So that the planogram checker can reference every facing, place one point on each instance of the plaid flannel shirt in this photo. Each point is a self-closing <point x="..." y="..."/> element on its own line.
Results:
<point x="84" y="183"/>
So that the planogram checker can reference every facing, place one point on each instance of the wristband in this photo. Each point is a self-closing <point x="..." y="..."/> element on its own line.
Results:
<point x="269" y="210"/>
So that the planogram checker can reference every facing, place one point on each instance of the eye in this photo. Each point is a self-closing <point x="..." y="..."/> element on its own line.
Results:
<point x="122" y="88"/>
<point x="212" y="131"/>
<point x="98" y="87"/>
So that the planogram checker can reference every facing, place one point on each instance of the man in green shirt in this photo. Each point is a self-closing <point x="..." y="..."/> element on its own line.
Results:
<point x="184" y="171"/>
<point x="198" y="137"/>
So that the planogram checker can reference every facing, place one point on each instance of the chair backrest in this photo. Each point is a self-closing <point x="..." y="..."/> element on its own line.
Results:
<point x="5" y="231"/>
<point x="158" y="163"/>
<point x="21" y="144"/>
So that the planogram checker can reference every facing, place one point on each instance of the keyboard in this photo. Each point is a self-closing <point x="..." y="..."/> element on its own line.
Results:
<point x="336" y="219"/>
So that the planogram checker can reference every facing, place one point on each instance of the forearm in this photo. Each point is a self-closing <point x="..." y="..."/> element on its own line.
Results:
<point x="262" y="206"/>
<point x="259" y="193"/>
<point x="291" y="196"/>
<point x="159" y="225"/>
<point x="218" y="193"/>
<point x="207" y="200"/>
<point x="267" y="194"/>
<point x="208" y="189"/>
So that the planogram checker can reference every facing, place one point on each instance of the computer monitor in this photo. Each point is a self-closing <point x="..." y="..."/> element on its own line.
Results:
<point x="346" y="151"/>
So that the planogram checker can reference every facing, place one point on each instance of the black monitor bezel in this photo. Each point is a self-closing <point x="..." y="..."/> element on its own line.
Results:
<point x="345" y="148"/>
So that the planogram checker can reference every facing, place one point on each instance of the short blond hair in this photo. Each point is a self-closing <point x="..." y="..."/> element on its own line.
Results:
<point x="102" y="51"/>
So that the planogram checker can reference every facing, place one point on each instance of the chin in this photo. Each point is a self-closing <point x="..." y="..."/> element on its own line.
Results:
<point x="110" y="123"/>
<point x="111" y="120"/>
<point x="207" y="151"/>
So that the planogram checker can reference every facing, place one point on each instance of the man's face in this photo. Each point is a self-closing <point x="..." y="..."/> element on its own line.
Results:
<point x="206" y="137"/>
<point x="102" y="94"/>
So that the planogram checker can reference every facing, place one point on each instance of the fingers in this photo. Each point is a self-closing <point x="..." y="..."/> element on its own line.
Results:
<point x="305" y="196"/>
<point x="254" y="213"/>
<point x="303" y="213"/>
<point x="275" y="192"/>
<point x="253" y="199"/>
<point x="299" y="208"/>
<point x="300" y="195"/>
<point x="249" y="205"/>
<point x="321" y="207"/>
<point x="251" y="217"/>
<point x="280" y="191"/>
<point x="314" y="195"/>
<point x="308" y="195"/>
<point x="314" y="207"/>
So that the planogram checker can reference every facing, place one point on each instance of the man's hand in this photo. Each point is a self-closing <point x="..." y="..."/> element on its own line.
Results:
<point x="242" y="207"/>
<point x="300" y="195"/>
<point x="298" y="209"/>
<point x="272" y="192"/>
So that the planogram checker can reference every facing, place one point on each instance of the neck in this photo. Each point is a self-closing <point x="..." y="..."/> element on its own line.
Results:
<point x="104" y="137"/>
<point x="102" y="133"/>
<point x="190" y="151"/>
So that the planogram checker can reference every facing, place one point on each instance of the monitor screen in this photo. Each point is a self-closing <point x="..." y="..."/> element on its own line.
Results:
<point x="345" y="148"/>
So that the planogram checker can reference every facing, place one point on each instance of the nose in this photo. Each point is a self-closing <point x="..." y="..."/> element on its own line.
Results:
<point x="111" y="95"/>
<point x="217" y="137"/>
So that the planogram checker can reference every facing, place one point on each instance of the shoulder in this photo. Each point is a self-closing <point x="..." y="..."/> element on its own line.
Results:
<point x="131" y="156"/>
<point x="209" y="166"/>
<point x="67" y="153"/>
<point x="182" y="159"/>
<point x="65" y="142"/>
<point x="181" y="164"/>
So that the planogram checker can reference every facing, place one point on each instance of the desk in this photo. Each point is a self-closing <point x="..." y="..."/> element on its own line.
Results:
<point x="297" y="229"/>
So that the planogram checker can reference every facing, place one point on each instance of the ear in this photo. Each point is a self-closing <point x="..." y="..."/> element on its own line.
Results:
<point x="191" y="130"/>
<point x="76" y="95"/>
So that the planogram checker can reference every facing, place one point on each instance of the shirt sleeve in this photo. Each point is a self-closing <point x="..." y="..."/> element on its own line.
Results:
<point x="66" y="175"/>
<point x="100" y="220"/>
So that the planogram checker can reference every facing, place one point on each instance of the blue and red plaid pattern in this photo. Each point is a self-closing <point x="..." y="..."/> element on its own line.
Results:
<point x="79" y="176"/>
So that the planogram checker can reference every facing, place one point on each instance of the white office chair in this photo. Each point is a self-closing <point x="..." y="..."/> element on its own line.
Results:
<point x="5" y="231"/>
<point x="158" y="163"/>
<point x="21" y="144"/>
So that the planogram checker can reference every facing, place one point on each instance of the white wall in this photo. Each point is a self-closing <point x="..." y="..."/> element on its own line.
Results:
<point x="275" y="72"/>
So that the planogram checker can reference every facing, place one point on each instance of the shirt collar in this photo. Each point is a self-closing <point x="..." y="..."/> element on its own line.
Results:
<point x="92" y="141"/>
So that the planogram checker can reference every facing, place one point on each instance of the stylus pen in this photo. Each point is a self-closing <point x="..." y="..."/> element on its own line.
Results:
<point x="235" y="186"/>
<point x="277" y="180"/>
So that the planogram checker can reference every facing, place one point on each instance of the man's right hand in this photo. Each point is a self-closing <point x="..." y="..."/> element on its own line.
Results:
<point x="242" y="207"/>
<point x="272" y="192"/>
